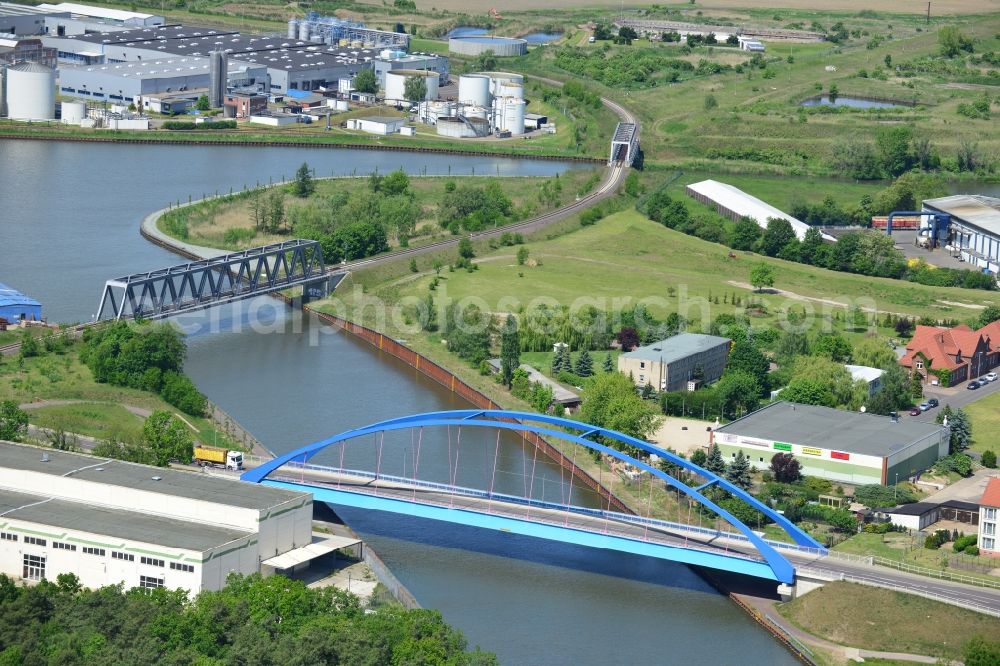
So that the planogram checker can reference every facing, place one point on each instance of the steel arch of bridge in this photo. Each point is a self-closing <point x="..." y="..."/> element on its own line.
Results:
<point x="580" y="433"/>
<point x="226" y="278"/>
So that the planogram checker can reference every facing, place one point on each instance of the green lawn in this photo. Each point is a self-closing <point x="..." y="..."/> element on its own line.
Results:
<point x="61" y="376"/>
<point x="904" y="548"/>
<point x="985" y="417"/>
<point x="883" y="620"/>
<point x="626" y="258"/>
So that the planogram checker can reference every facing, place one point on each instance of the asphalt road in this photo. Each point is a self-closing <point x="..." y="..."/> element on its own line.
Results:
<point x="957" y="396"/>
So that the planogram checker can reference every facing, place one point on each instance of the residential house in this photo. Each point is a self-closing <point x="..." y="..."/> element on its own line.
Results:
<point x="989" y="506"/>
<point x="952" y="355"/>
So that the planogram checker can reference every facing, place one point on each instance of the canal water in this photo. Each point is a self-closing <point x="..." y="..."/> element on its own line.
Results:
<point x="69" y="216"/>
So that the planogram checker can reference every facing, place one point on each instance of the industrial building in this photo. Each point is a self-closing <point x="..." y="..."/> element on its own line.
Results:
<point x="111" y="522"/>
<point x="23" y="19"/>
<point x="677" y="363"/>
<point x="487" y="102"/>
<point x="479" y="44"/>
<point x="734" y="203"/>
<point x="104" y="14"/>
<point x="13" y="51"/>
<point x="134" y="81"/>
<point x="389" y="60"/>
<point x="16" y="307"/>
<point x="244" y="105"/>
<point x="973" y="230"/>
<point x="835" y="444"/>
<point x="382" y="125"/>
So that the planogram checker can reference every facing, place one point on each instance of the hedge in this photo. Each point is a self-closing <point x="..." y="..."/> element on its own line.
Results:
<point x="191" y="125"/>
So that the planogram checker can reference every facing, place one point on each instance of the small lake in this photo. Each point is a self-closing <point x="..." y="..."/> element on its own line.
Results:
<point x="852" y="102"/>
<point x="466" y="31"/>
<point x="542" y="37"/>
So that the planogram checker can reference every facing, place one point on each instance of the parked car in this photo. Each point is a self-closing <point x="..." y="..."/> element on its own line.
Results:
<point x="972" y="386"/>
<point x="924" y="406"/>
<point x="915" y="411"/>
<point x="991" y="376"/>
<point x="933" y="402"/>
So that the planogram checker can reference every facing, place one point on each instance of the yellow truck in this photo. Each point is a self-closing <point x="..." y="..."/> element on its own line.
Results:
<point x="213" y="455"/>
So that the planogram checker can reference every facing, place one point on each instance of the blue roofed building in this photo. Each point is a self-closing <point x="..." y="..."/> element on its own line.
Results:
<point x="15" y="306"/>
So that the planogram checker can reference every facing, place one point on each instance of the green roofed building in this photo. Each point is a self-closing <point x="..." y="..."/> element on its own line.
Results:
<point x="834" y="444"/>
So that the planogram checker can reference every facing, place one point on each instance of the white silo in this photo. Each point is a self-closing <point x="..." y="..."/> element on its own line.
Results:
<point x="293" y="28"/>
<point x="498" y="78"/>
<point x="509" y="115"/>
<point x="73" y="112"/>
<point x="395" y="83"/>
<point x="474" y="89"/>
<point x="31" y="91"/>
<point x="513" y="89"/>
<point x="304" y="30"/>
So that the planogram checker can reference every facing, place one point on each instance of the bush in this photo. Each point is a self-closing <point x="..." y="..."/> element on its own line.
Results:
<point x="236" y="236"/>
<point x="181" y="392"/>
<point x="989" y="459"/>
<point x="187" y="125"/>
<point x="972" y="550"/>
<point x="962" y="543"/>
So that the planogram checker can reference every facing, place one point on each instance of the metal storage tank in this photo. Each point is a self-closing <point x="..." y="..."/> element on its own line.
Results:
<point x="73" y="112"/>
<point x="476" y="112"/>
<point x="509" y="115"/>
<point x="293" y="28"/>
<point x="477" y="45"/>
<point x="31" y="92"/>
<point x="499" y="78"/>
<point x="474" y="89"/>
<point x="304" y="31"/>
<point x="454" y="128"/>
<point x="395" y="83"/>
<point x="511" y="89"/>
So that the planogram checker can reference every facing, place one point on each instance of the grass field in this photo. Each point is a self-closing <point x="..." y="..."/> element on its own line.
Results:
<point x="207" y="223"/>
<point x="55" y="376"/>
<point x="985" y="417"/>
<point x="918" y="7"/>
<point x="883" y="620"/>
<point x="626" y="258"/>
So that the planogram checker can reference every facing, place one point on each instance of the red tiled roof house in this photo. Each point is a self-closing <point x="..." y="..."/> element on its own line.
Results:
<point x="952" y="355"/>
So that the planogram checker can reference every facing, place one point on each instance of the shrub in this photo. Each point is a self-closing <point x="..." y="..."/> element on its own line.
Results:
<point x="181" y="392"/>
<point x="238" y="235"/>
<point x="962" y="543"/>
<point x="989" y="459"/>
<point x="187" y="125"/>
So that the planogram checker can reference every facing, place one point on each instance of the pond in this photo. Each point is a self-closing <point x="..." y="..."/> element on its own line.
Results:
<point x="542" y="37"/>
<point x="465" y="31"/>
<point x="853" y="102"/>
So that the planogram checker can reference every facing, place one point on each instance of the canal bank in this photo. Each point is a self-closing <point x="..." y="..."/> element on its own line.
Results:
<point x="293" y="383"/>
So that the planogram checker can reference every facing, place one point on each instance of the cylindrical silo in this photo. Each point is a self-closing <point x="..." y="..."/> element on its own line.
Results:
<point x="474" y="89"/>
<point x="73" y="112"/>
<point x="395" y="83"/>
<point x="476" y="112"/>
<point x="513" y="89"/>
<point x="304" y="31"/>
<point x="509" y="115"/>
<point x="293" y="28"/>
<point x="31" y="91"/>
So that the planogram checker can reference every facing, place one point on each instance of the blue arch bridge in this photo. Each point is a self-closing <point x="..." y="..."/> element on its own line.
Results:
<point x="737" y="548"/>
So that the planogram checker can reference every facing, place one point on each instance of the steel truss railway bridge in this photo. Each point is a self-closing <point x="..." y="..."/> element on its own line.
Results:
<point x="741" y="550"/>
<point x="224" y="279"/>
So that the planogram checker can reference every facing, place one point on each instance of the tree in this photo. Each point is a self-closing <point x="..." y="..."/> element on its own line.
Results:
<point x="711" y="102"/>
<point x="510" y="350"/>
<point x="626" y="35"/>
<point x="365" y="81"/>
<point x="745" y="357"/>
<point x="746" y="233"/>
<point x="29" y="345"/>
<point x="877" y="496"/>
<point x="203" y="103"/>
<point x="13" y="421"/>
<point x="522" y="255"/>
<point x="584" y="364"/>
<point x="610" y="402"/>
<point x="738" y="392"/>
<point x="181" y="392"/>
<point x="777" y="235"/>
<point x="833" y="346"/>
<point x="761" y="275"/>
<point x="415" y="88"/>
<point x="465" y="249"/>
<point x="812" y="246"/>
<point x="808" y="392"/>
<point x="894" y="393"/>
<point x="856" y="158"/>
<point x="738" y="472"/>
<point x="834" y="376"/>
<point x="961" y="430"/>
<point x="699" y="458"/>
<point x="952" y="41"/>
<point x="714" y="462"/>
<point x="843" y="521"/>
<point x="786" y="468"/>
<point x="988" y="315"/>
<point x="167" y="438"/>
<point x="304" y="185"/>
<point x="628" y="337"/>
<point x="873" y="352"/>
<point x="981" y="652"/>
<point x="989" y="459"/>
<point x="609" y="364"/>
<point x="893" y="145"/>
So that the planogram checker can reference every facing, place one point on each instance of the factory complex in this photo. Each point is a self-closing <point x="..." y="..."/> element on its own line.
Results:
<point x="110" y="522"/>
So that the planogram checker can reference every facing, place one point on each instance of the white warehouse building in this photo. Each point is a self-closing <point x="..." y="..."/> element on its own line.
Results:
<point x="111" y="522"/>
